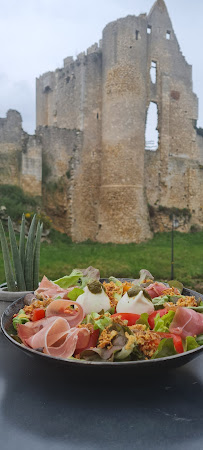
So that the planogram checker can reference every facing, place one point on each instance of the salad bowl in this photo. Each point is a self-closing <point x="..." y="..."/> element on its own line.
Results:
<point x="72" y="364"/>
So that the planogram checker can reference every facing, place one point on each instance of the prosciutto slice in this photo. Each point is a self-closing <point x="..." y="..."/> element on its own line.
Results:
<point x="54" y="336"/>
<point x="155" y="289"/>
<point x="186" y="322"/>
<point x="25" y="331"/>
<point x="62" y="308"/>
<point x="65" y="349"/>
<point x="48" y="289"/>
<point x="50" y="334"/>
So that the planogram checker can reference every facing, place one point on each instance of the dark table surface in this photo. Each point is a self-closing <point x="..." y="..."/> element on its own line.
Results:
<point x="45" y="406"/>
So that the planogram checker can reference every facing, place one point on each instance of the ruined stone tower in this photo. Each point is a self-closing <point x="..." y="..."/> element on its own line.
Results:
<point x="91" y="121"/>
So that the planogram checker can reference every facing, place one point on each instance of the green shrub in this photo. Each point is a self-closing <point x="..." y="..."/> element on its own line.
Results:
<point x="16" y="201"/>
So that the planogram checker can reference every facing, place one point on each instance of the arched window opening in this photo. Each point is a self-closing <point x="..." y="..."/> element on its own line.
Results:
<point x="151" y="132"/>
<point x="149" y="29"/>
<point x="153" y="72"/>
<point x="168" y="35"/>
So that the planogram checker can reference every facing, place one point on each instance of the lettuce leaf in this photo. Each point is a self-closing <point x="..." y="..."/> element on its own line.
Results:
<point x="21" y="318"/>
<point x="102" y="323"/>
<point x="190" y="343"/>
<point x="196" y="308"/>
<point x="165" y="348"/>
<point x="116" y="281"/>
<point x="80" y="276"/>
<point x="112" y="310"/>
<point x="74" y="294"/>
<point x="117" y="295"/>
<point x="199" y="339"/>
<point x="162" y="324"/>
<point x="130" y="352"/>
<point x="158" y="302"/>
<point x="98" y="322"/>
<point x="143" y="319"/>
<point x="69" y="280"/>
<point x="176" y="284"/>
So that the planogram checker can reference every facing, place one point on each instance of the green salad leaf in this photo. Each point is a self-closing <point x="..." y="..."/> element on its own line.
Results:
<point x="88" y="275"/>
<point x="69" y="280"/>
<point x="199" y="339"/>
<point x="74" y="294"/>
<point x="176" y="284"/>
<point x="129" y="352"/>
<point x="162" y="324"/>
<point x="20" y="318"/>
<point x="158" y="302"/>
<point x="165" y="348"/>
<point x="99" y="322"/>
<point x="190" y="343"/>
<point x="112" y="310"/>
<point x="116" y="281"/>
<point x="196" y="308"/>
<point x="143" y="319"/>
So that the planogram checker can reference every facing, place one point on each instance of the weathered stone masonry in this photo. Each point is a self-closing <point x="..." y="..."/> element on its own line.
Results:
<point x="98" y="179"/>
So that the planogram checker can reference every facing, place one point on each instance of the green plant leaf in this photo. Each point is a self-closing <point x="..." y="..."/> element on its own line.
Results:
<point x="22" y="242"/>
<point x="16" y="258"/>
<point x="29" y="256"/>
<point x="7" y="262"/>
<point x="37" y="256"/>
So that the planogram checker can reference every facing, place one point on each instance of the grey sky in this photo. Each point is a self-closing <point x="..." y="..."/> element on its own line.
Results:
<point x="36" y="35"/>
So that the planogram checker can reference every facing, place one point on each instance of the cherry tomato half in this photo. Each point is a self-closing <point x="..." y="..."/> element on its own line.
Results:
<point x="38" y="314"/>
<point x="151" y="317"/>
<point x="130" y="317"/>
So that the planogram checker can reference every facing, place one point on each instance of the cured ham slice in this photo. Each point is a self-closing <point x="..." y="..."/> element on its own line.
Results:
<point x="25" y="331"/>
<point x="50" y="334"/>
<point x="54" y="336"/>
<point x="155" y="289"/>
<point x="73" y="340"/>
<point x="62" y="308"/>
<point x="48" y="289"/>
<point x="186" y="322"/>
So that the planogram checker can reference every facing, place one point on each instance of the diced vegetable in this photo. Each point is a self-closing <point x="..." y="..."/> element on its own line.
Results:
<point x="131" y="318"/>
<point x="38" y="313"/>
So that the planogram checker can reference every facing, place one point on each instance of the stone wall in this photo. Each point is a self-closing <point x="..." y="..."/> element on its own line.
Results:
<point x="20" y="155"/>
<point x="88" y="155"/>
<point x="60" y="158"/>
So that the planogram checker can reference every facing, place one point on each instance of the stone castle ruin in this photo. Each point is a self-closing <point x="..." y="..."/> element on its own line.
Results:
<point x="88" y="158"/>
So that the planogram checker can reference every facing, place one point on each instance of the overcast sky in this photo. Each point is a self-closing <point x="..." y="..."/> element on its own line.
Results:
<point x="36" y="35"/>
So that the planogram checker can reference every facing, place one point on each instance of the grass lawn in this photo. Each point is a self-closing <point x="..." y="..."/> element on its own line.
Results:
<point x="61" y="256"/>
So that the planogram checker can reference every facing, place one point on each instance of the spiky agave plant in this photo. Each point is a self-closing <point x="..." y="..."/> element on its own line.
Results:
<point x="25" y="258"/>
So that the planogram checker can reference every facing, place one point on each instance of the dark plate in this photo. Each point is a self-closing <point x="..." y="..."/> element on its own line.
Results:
<point x="140" y="367"/>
